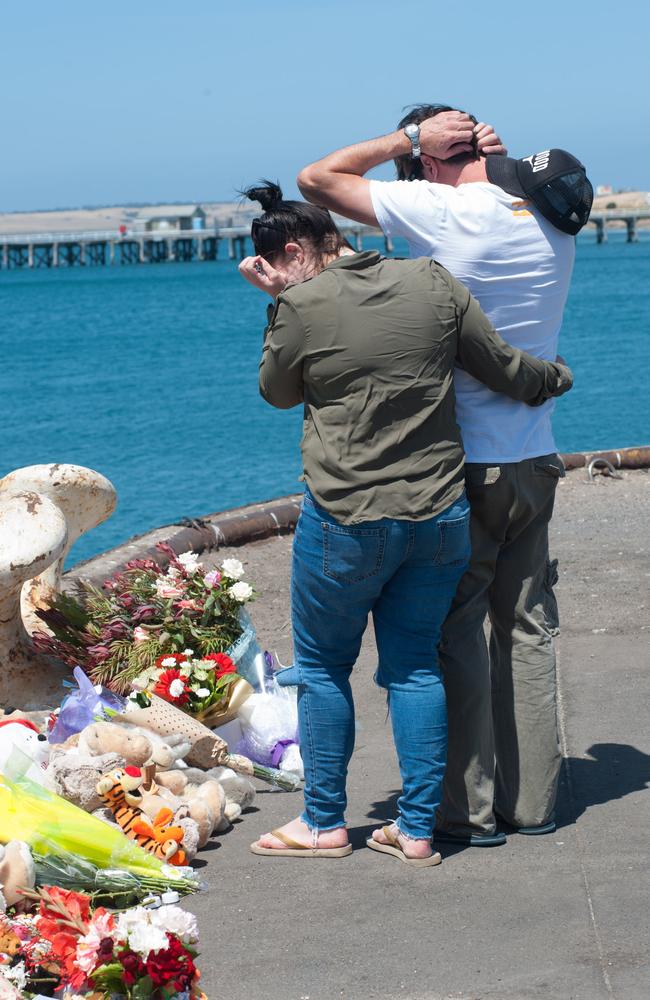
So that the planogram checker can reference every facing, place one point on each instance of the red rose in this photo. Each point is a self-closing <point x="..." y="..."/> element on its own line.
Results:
<point x="171" y="966"/>
<point x="223" y="664"/>
<point x="134" y="967"/>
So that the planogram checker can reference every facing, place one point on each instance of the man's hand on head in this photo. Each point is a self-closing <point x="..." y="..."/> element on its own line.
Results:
<point x="487" y="141"/>
<point x="446" y="134"/>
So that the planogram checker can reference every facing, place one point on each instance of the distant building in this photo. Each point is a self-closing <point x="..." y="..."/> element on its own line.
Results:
<point x="160" y="218"/>
<point x="604" y="189"/>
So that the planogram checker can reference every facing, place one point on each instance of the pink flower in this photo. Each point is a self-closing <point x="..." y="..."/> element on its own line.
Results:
<point x="140" y="635"/>
<point x="213" y="579"/>
<point x="188" y="605"/>
<point x="99" y="653"/>
<point x="166" y="589"/>
<point x="102" y="926"/>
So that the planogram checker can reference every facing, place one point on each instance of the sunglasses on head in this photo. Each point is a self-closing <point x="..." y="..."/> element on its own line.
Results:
<point x="257" y="224"/>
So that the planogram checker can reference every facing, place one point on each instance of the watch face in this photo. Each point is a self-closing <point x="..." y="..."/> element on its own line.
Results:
<point x="412" y="131"/>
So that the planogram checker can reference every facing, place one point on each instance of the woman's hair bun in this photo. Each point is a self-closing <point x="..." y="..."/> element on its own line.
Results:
<point x="268" y="194"/>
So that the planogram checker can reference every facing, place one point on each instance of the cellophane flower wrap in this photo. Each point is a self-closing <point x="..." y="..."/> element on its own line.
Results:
<point x="189" y="682"/>
<point x="77" y="949"/>
<point x="47" y="822"/>
<point x="143" y="615"/>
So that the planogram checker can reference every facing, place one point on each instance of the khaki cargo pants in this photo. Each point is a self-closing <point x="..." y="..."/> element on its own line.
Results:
<point x="503" y="741"/>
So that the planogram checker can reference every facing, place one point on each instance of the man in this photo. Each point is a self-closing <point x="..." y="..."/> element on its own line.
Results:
<point x="504" y="228"/>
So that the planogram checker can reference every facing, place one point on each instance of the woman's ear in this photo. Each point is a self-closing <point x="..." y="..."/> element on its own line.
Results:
<point x="429" y="167"/>
<point x="295" y="250"/>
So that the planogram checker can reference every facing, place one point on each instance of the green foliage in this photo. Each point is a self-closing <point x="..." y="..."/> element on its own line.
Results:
<point x="96" y="628"/>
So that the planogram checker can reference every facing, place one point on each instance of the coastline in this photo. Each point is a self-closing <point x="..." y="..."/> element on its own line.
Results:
<point x="219" y="213"/>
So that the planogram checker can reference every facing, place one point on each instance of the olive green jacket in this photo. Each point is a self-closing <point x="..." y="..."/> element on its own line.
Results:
<point x="369" y="346"/>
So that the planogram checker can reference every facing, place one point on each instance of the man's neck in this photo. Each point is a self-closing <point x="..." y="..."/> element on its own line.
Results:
<point x="471" y="173"/>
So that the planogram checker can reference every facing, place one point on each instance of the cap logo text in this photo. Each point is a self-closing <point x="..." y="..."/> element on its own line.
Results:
<point x="539" y="161"/>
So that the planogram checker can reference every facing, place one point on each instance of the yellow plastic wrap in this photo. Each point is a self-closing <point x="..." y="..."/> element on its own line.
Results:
<point x="44" y="820"/>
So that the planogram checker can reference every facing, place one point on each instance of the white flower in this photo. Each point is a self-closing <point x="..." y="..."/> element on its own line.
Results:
<point x="140" y="683"/>
<point x="176" y="688"/>
<point x="188" y="652"/>
<point x="233" y="569"/>
<point x="165" y="588"/>
<point x="169" y="661"/>
<point x="202" y="692"/>
<point x="189" y="561"/>
<point x="137" y="927"/>
<point x="185" y="666"/>
<point x="241" y="591"/>
<point x="17" y="976"/>
<point x="177" y="921"/>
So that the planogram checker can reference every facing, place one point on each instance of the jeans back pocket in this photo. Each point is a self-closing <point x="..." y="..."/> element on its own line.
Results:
<point x="455" y="545"/>
<point x="352" y="554"/>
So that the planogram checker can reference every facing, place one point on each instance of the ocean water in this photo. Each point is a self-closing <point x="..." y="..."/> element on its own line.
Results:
<point x="149" y="374"/>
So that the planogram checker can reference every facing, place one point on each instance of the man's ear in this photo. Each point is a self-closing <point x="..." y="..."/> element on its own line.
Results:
<point x="429" y="167"/>
<point x="294" y="250"/>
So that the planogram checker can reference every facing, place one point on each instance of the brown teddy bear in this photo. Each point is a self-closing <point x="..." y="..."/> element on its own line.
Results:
<point x="16" y="872"/>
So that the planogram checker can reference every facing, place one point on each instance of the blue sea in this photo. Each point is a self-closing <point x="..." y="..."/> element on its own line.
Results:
<point x="148" y="373"/>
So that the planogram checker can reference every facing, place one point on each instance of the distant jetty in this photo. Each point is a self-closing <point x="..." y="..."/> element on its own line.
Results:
<point x="197" y="232"/>
<point x="46" y="250"/>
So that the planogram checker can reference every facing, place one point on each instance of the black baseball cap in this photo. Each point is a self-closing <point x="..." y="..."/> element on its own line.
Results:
<point x="554" y="180"/>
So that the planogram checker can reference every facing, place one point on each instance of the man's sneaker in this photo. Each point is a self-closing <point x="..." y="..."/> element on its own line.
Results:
<point x="469" y="839"/>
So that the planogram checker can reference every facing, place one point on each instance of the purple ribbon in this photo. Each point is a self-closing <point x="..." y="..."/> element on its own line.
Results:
<point x="277" y="753"/>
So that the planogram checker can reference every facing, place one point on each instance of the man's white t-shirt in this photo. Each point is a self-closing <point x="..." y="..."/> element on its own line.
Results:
<point x="519" y="268"/>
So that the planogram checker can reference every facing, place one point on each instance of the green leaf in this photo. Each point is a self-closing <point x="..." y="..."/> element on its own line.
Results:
<point x="142" y="989"/>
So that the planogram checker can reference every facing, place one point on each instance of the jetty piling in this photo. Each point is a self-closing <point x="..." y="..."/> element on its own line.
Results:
<point x="102" y="248"/>
<point x="109" y="248"/>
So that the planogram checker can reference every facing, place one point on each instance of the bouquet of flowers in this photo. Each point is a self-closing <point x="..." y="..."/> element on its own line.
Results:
<point x="208" y="687"/>
<point x="139" y="953"/>
<point x="144" y="615"/>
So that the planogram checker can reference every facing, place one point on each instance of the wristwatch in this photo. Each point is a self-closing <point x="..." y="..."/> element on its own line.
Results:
<point x="412" y="133"/>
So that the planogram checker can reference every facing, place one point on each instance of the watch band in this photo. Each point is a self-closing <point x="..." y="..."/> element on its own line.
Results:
<point x="412" y="133"/>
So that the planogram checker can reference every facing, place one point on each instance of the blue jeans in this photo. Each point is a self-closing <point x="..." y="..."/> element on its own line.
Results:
<point x="406" y="574"/>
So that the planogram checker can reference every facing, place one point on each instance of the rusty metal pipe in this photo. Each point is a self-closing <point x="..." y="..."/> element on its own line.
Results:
<point x="624" y="458"/>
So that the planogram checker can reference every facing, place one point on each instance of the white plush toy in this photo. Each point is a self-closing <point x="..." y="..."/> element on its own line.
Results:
<point x="22" y="735"/>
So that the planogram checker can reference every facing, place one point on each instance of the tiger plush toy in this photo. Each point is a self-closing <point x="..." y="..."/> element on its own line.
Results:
<point x="119" y="790"/>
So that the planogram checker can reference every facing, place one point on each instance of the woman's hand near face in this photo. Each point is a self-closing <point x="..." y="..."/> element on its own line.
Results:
<point x="260" y="274"/>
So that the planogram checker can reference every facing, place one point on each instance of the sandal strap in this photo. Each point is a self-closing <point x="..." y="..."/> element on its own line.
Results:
<point x="392" y="838"/>
<point x="290" y="842"/>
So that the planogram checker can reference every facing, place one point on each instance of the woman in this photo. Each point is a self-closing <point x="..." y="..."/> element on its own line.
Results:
<point x="368" y="346"/>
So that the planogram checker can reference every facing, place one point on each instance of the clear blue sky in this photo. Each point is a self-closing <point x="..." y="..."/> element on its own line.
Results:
<point x="141" y="101"/>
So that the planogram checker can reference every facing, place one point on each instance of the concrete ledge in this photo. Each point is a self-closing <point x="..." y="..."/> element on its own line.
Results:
<point x="239" y="526"/>
<point x="256" y="522"/>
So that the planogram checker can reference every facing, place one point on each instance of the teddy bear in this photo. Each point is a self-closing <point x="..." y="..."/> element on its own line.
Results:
<point x="136" y="746"/>
<point x="206" y="813"/>
<point x="191" y="794"/>
<point x="23" y="744"/>
<point x="74" y="776"/>
<point x="16" y="872"/>
<point x="119" y="790"/>
<point x="192" y="782"/>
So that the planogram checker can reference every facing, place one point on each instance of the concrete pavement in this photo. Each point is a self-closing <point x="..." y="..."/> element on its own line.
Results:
<point x="563" y="916"/>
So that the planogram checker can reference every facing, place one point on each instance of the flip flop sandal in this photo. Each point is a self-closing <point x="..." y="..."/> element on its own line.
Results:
<point x="394" y="849"/>
<point x="295" y="850"/>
